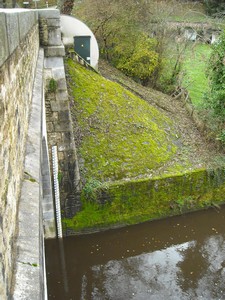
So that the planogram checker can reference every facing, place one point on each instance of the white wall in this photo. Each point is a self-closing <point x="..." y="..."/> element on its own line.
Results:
<point x="71" y="27"/>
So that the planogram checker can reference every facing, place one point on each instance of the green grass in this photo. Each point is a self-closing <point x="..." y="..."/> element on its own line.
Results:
<point x="194" y="67"/>
<point x="121" y="141"/>
<point x="121" y="135"/>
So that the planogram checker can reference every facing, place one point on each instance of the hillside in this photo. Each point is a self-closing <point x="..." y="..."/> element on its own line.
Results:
<point x="124" y="135"/>
<point x="140" y="155"/>
<point x="200" y="150"/>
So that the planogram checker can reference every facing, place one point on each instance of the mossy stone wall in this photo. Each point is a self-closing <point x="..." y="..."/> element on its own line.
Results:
<point x="142" y="200"/>
<point x="201" y="187"/>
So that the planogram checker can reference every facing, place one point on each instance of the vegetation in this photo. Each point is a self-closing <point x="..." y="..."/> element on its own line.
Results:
<point x="194" y="70"/>
<point x="52" y="86"/>
<point x="129" y="158"/>
<point x="140" y="61"/>
<point x="121" y="135"/>
<point x="134" y="164"/>
<point x="147" y="199"/>
<point x="215" y="99"/>
<point x="215" y="7"/>
<point x="132" y="35"/>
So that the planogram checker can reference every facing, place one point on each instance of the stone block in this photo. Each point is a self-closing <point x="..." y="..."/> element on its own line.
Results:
<point x="61" y="96"/>
<point x="53" y="62"/>
<point x="4" y="48"/>
<point x="58" y="73"/>
<point x="53" y="22"/>
<point x="61" y="84"/>
<point x="54" y="36"/>
<point x="49" y="13"/>
<point x="48" y="215"/>
<point x="47" y="191"/>
<point x="54" y="116"/>
<point x="64" y="115"/>
<point x="54" y="51"/>
<point x="67" y="137"/>
<point x="62" y="126"/>
<point x="54" y="136"/>
<point x="50" y="127"/>
<point x="26" y="22"/>
<point x="35" y="15"/>
<point x="13" y="31"/>
<point x="64" y="148"/>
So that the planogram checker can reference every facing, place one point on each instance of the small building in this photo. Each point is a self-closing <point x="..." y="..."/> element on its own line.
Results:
<point x="77" y="35"/>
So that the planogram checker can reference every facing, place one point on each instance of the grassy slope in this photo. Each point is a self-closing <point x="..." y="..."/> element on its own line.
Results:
<point x="122" y="136"/>
<point x="195" y="65"/>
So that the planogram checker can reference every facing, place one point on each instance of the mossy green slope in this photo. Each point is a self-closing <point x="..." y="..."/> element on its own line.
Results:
<point x="130" y="161"/>
<point x="121" y="135"/>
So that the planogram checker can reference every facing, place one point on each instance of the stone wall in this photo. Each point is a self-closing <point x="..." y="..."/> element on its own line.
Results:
<point x="29" y="273"/>
<point x="146" y="199"/>
<point x="25" y="185"/>
<point x="19" y="48"/>
<point x="58" y="116"/>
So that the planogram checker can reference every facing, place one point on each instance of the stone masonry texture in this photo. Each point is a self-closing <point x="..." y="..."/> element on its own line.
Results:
<point x="16" y="84"/>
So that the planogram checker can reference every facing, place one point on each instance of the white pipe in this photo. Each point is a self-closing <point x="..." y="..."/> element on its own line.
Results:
<point x="56" y="191"/>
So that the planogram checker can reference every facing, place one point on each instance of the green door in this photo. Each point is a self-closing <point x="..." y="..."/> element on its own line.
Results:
<point x="82" y="47"/>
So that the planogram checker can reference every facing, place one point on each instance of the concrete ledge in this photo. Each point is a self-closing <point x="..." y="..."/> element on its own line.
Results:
<point x="27" y="20"/>
<point x="30" y="282"/>
<point x="14" y="26"/>
<point x="54" y="51"/>
<point x="50" y="13"/>
<point x="13" y="31"/>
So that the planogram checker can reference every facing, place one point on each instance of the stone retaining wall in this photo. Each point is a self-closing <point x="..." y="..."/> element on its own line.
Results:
<point x="146" y="199"/>
<point x="19" y="47"/>
<point x="58" y="116"/>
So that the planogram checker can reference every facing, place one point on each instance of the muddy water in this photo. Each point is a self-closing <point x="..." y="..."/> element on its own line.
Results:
<point x="176" y="258"/>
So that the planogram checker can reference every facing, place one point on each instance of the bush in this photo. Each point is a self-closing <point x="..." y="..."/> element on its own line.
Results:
<point x="216" y="74"/>
<point x="215" y="98"/>
<point x="141" y="61"/>
<point x="215" y="7"/>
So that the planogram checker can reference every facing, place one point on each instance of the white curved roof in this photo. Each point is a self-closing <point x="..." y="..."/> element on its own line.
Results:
<point x="71" y="27"/>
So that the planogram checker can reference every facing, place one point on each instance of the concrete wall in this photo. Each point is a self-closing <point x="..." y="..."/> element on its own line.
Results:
<point x="72" y="27"/>
<point x="18" y="55"/>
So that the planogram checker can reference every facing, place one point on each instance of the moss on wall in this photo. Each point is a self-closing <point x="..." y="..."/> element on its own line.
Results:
<point x="124" y="203"/>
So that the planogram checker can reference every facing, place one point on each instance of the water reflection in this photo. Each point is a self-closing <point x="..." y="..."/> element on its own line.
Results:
<point x="177" y="258"/>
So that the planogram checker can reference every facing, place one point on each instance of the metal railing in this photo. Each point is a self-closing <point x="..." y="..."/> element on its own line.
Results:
<point x="75" y="56"/>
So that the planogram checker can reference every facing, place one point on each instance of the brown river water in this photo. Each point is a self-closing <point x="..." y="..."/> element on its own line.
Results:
<point x="175" y="258"/>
